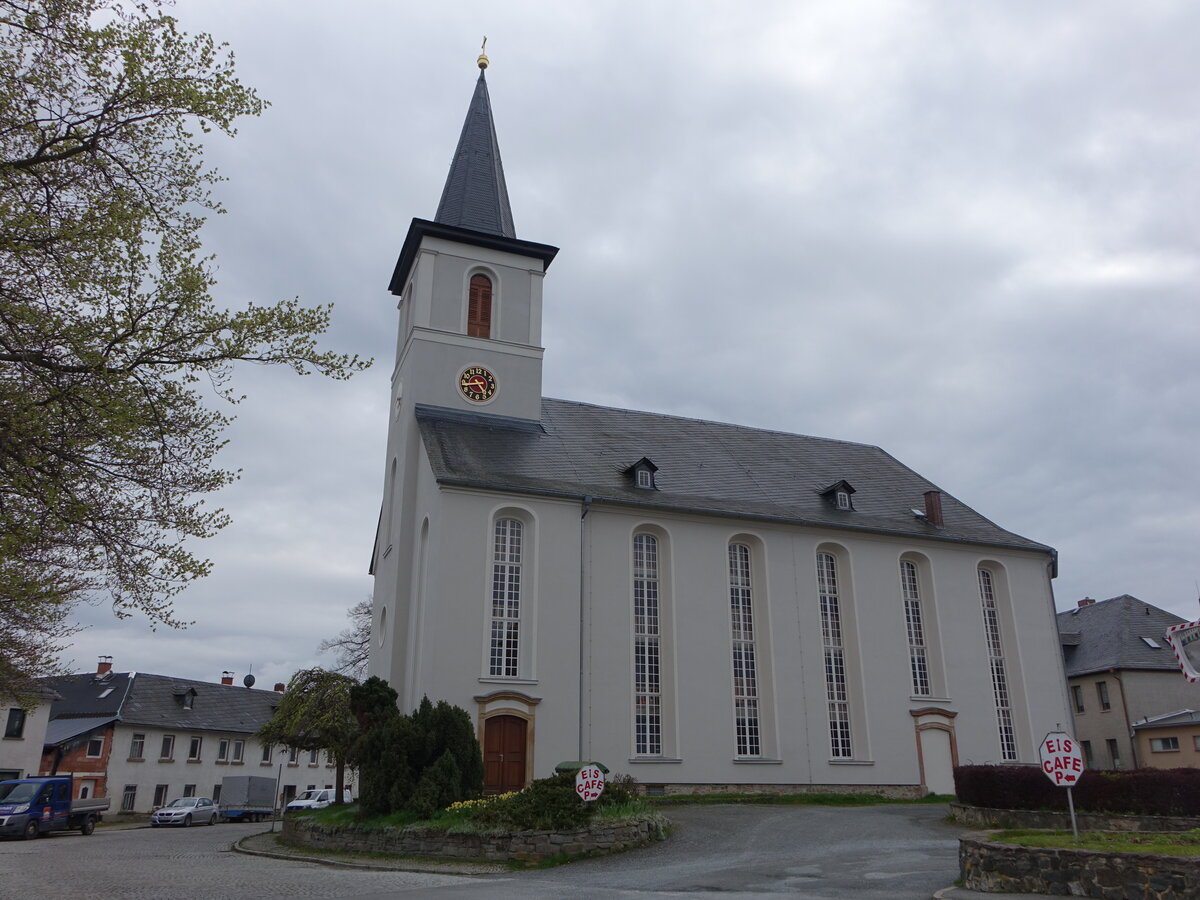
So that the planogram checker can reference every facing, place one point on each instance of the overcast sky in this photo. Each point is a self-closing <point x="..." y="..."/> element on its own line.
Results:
<point x="964" y="232"/>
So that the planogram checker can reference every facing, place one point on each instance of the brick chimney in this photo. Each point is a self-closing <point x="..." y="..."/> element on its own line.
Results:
<point x="280" y="687"/>
<point x="104" y="666"/>
<point x="226" y="678"/>
<point x="933" y="507"/>
<point x="1086" y="601"/>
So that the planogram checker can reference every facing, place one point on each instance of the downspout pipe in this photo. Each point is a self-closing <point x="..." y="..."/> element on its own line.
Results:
<point x="1125" y="712"/>
<point x="585" y="628"/>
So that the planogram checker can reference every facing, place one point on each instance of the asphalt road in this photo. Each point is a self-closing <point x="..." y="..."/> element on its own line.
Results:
<point x="874" y="853"/>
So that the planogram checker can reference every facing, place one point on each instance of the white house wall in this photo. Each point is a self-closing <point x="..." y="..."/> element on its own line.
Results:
<point x="150" y="770"/>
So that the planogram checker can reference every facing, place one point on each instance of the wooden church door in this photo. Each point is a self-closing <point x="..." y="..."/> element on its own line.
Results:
<point x="503" y="754"/>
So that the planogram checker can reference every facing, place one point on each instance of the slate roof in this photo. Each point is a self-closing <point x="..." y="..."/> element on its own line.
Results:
<point x="1169" y="720"/>
<point x="1108" y="635"/>
<point x="475" y="195"/>
<point x="154" y="701"/>
<point x="706" y="468"/>
<point x="80" y="695"/>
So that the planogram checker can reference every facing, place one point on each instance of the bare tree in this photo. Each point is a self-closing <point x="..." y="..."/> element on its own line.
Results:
<point x="353" y="646"/>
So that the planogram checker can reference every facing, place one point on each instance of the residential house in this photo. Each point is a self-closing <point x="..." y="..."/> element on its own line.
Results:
<point x="1120" y="670"/>
<point x="23" y="736"/>
<point x="145" y="739"/>
<point x="1169" y="741"/>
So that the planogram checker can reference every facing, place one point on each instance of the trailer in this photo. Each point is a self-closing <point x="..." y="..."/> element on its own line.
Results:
<point x="31" y="807"/>
<point x="247" y="798"/>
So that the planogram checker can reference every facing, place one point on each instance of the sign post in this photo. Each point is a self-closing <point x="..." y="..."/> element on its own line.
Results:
<point x="1063" y="764"/>
<point x="589" y="782"/>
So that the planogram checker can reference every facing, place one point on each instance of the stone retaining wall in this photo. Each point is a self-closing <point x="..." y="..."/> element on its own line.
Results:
<point x="893" y="791"/>
<point x="1006" y="868"/>
<point x="983" y="817"/>
<point x="523" y="846"/>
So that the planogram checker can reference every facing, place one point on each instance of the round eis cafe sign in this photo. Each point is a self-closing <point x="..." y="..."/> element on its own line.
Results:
<point x="589" y="783"/>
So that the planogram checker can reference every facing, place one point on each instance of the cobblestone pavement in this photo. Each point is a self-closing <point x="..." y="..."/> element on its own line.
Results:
<point x="811" y="853"/>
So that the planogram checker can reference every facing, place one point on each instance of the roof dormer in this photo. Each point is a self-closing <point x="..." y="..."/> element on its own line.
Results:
<point x="642" y="474"/>
<point x="185" y="696"/>
<point x="838" y="495"/>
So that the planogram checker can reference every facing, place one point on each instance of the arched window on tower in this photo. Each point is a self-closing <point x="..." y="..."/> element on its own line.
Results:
<point x="479" y="307"/>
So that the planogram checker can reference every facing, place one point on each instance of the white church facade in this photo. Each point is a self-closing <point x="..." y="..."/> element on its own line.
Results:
<point x="693" y="603"/>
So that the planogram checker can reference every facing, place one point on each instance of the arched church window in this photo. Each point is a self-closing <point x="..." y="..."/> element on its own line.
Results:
<point x="479" y="307"/>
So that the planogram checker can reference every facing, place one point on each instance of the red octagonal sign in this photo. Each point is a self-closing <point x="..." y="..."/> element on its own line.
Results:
<point x="1061" y="760"/>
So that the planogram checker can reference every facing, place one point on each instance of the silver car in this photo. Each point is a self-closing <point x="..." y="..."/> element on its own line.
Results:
<point x="186" y="811"/>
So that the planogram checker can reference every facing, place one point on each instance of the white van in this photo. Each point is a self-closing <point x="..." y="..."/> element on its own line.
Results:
<point x="318" y="799"/>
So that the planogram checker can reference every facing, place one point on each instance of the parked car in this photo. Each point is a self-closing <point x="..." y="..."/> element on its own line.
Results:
<point x="186" y="811"/>
<point x="318" y="799"/>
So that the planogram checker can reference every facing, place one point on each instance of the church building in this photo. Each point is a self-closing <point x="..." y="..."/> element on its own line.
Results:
<point x="699" y="605"/>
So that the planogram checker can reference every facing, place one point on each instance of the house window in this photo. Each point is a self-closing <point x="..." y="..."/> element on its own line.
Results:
<point x="216" y="794"/>
<point x="168" y="747"/>
<point x="506" y="598"/>
<point x="160" y="795"/>
<point x="223" y="750"/>
<point x="1164" y="745"/>
<point x="645" y="478"/>
<point x="1077" y="697"/>
<point x="189" y="790"/>
<point x="15" y="727"/>
<point x="647" y="680"/>
<point x="194" y="749"/>
<point x="843" y="500"/>
<point x="239" y="748"/>
<point x="479" y="307"/>
<point x="188" y="699"/>
<point x="836" y="693"/>
<point x="293" y="756"/>
<point x="1102" y="695"/>
<point x="1114" y="752"/>
<point x="312" y="757"/>
<point x="95" y="748"/>
<point x="745" y="668"/>
<point x="1087" y="754"/>
<point x="128" y="798"/>
<point x="267" y="750"/>
<point x="991" y="630"/>
<point x="137" y="746"/>
<point x="918" y="659"/>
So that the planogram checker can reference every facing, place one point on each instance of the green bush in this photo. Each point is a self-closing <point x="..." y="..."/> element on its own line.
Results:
<point x="416" y="763"/>
<point x="551" y="804"/>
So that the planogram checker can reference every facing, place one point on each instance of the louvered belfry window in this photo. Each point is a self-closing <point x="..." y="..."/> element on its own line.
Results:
<point x="479" y="307"/>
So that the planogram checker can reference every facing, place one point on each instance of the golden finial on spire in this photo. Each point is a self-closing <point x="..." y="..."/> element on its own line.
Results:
<point x="483" y="60"/>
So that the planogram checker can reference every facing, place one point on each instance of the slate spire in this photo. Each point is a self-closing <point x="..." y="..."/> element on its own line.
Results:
<point x="475" y="195"/>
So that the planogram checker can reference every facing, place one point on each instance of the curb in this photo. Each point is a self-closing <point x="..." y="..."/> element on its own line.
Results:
<point x="237" y="847"/>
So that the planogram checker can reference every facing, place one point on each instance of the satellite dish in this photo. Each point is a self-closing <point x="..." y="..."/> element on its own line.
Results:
<point x="248" y="681"/>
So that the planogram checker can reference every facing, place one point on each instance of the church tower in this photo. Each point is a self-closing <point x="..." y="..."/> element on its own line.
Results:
<point x="469" y="341"/>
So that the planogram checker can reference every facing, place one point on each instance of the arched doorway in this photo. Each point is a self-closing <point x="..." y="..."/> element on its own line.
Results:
<point x="503" y="754"/>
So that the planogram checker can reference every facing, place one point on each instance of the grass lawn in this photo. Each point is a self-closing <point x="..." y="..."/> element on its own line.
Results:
<point x="1184" y="843"/>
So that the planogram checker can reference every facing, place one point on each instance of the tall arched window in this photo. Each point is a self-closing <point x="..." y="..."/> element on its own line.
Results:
<point x="745" y="665"/>
<point x="479" y="307"/>
<point x="918" y="657"/>
<point x="647" y="648"/>
<point x="506" y="599"/>
<point x="995" y="646"/>
<point x="836" y="690"/>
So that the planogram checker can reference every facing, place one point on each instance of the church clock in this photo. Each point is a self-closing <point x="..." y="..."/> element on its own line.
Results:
<point x="477" y="384"/>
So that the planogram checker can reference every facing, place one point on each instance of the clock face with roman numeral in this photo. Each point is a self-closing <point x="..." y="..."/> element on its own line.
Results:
<point x="477" y="384"/>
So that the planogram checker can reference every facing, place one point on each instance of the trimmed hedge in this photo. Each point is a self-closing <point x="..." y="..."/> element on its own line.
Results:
<point x="1141" y="792"/>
